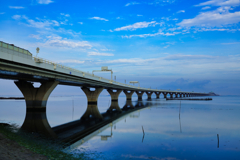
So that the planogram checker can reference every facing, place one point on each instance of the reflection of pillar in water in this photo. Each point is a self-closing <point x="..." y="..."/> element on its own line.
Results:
<point x="139" y="104"/>
<point x="114" y="106"/>
<point x="92" y="111"/>
<point x="128" y="105"/>
<point x="36" y="101"/>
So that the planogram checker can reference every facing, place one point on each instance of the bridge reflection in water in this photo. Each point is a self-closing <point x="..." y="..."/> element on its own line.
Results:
<point x="90" y="124"/>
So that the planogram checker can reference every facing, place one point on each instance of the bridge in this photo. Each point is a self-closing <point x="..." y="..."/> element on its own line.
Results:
<point x="20" y="65"/>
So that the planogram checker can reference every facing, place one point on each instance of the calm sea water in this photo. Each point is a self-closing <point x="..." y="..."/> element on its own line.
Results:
<point x="190" y="130"/>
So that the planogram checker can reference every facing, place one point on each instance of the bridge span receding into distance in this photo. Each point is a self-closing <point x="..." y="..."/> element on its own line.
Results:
<point x="20" y="65"/>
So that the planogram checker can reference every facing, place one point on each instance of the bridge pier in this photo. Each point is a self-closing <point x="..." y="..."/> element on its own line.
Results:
<point x="139" y="93"/>
<point x="128" y="94"/>
<point x="36" y="101"/>
<point x="180" y="95"/>
<point x="165" y="95"/>
<point x="176" y="95"/>
<point x="149" y="95"/>
<point x="157" y="94"/>
<point x="171" y="95"/>
<point x="114" y="100"/>
<point x="184" y="94"/>
<point x="92" y="97"/>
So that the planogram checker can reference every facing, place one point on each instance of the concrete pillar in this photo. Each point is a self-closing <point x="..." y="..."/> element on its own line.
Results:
<point x="171" y="95"/>
<point x="149" y="95"/>
<point x="180" y="95"/>
<point x="139" y="93"/>
<point x="128" y="105"/>
<point x="128" y="95"/>
<point x="92" y="97"/>
<point x="36" y="101"/>
<point x="114" y="106"/>
<point x="157" y="94"/>
<point x="114" y="95"/>
<point x="176" y="95"/>
<point x="165" y="95"/>
<point x="114" y="100"/>
<point x="184" y="95"/>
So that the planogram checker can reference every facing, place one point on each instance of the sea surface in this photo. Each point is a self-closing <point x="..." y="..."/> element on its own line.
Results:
<point x="165" y="130"/>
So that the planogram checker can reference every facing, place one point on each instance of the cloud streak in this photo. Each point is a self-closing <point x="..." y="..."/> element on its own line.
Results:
<point x="131" y="3"/>
<point x="136" y="26"/>
<point x="59" y="42"/>
<point x="16" y="7"/>
<point x="218" y="17"/>
<point x="99" y="54"/>
<point x="44" y="1"/>
<point x="99" y="18"/>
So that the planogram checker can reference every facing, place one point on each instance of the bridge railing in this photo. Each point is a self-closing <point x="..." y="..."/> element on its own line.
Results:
<point x="41" y="60"/>
<point x="15" y="48"/>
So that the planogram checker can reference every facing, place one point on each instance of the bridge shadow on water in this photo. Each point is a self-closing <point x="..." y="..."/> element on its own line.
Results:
<point x="90" y="124"/>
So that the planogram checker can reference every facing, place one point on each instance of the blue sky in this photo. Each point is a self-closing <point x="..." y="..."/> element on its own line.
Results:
<point x="165" y="44"/>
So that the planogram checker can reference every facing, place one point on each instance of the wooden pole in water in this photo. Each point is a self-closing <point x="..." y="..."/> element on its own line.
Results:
<point x="218" y="140"/>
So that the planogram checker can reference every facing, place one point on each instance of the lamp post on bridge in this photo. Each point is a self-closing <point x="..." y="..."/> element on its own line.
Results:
<point x="133" y="82"/>
<point x="104" y="69"/>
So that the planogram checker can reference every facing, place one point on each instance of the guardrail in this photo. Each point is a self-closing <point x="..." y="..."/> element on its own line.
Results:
<point x="41" y="60"/>
<point x="12" y="47"/>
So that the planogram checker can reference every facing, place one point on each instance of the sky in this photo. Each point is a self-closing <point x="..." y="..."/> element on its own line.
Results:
<point x="164" y="44"/>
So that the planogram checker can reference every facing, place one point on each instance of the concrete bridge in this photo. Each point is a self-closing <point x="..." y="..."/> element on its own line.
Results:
<point x="18" y="64"/>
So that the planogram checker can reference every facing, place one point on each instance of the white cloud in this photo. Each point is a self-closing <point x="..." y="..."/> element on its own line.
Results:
<point x="136" y="26"/>
<point x="44" y="1"/>
<point x="2" y="12"/>
<point x="99" y="18"/>
<point x="80" y="22"/>
<point x="35" y="36"/>
<point x="16" y="17"/>
<point x="37" y="24"/>
<point x="99" y="54"/>
<point x="151" y="35"/>
<point x="71" y="61"/>
<point x="207" y="7"/>
<point x="16" y="7"/>
<point x="66" y="15"/>
<point x="221" y="3"/>
<point x="181" y="11"/>
<point x="218" y="17"/>
<point x="139" y="15"/>
<point x="131" y="3"/>
<point x="59" y="42"/>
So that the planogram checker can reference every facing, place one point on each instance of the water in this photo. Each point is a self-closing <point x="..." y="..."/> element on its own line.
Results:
<point x="171" y="132"/>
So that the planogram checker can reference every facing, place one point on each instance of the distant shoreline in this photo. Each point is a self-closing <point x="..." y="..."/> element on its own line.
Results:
<point x="16" y="98"/>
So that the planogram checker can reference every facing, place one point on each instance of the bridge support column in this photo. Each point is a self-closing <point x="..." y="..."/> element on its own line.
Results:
<point x="128" y="95"/>
<point x="36" y="101"/>
<point x="139" y="93"/>
<point x="184" y="94"/>
<point x="176" y="95"/>
<point x="171" y="95"/>
<point x="149" y="95"/>
<point x="180" y="95"/>
<point x="92" y="97"/>
<point x="165" y="95"/>
<point x="114" y="100"/>
<point x="157" y="94"/>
